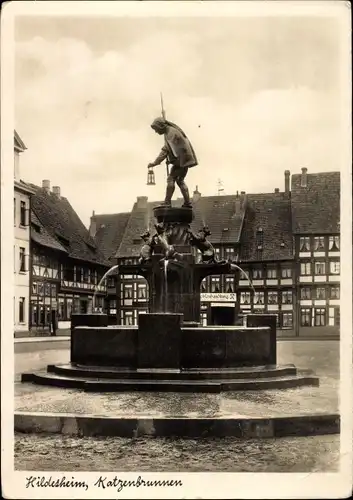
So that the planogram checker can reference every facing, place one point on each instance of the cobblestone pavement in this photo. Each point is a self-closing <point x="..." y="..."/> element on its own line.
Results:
<point x="309" y="454"/>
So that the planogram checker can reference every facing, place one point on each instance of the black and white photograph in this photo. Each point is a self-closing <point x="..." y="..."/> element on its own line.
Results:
<point x="176" y="253"/>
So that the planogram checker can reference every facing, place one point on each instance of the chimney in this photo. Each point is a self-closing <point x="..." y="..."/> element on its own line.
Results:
<point x="304" y="178"/>
<point x="56" y="191"/>
<point x="238" y="204"/>
<point x="196" y="195"/>
<point x="142" y="202"/>
<point x="46" y="185"/>
<point x="276" y="190"/>
<point x="286" y="181"/>
<point x="93" y="225"/>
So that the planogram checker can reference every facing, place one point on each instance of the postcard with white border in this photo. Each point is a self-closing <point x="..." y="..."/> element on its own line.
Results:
<point x="176" y="253"/>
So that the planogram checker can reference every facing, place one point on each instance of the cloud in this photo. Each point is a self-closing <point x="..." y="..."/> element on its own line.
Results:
<point x="85" y="117"/>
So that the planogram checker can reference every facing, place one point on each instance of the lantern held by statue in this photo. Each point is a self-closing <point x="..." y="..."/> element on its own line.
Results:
<point x="150" y="177"/>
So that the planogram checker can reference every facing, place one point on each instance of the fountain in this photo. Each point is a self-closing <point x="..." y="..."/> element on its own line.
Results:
<point x="169" y="350"/>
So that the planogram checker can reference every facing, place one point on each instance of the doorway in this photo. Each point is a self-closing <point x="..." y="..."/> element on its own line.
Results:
<point x="222" y="316"/>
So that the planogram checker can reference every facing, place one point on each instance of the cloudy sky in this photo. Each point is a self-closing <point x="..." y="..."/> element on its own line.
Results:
<point x="255" y="95"/>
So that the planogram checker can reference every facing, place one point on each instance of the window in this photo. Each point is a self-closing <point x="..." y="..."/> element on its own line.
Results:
<point x="334" y="292"/>
<point x="319" y="243"/>
<point x="286" y="272"/>
<point x="272" y="297"/>
<point x="305" y="268"/>
<point x="78" y="274"/>
<point x="320" y="268"/>
<point x="34" y="288"/>
<point x="304" y="244"/>
<point x="203" y="286"/>
<point x="271" y="273"/>
<point x="305" y="317"/>
<point x="335" y="267"/>
<point x="14" y="211"/>
<point x="23" y="213"/>
<point x="229" y="253"/>
<point x="257" y="274"/>
<point x="128" y="318"/>
<point x="22" y="260"/>
<point x="305" y="293"/>
<point x="229" y="284"/>
<point x="142" y="292"/>
<point x="245" y="297"/>
<point x="320" y="293"/>
<point x="204" y="318"/>
<point x="217" y="252"/>
<point x="287" y="320"/>
<point x="334" y="243"/>
<point x="215" y="284"/>
<point x="259" y="298"/>
<point x="320" y="317"/>
<point x="287" y="297"/>
<point x="21" y="315"/>
<point x="128" y="292"/>
<point x="68" y="274"/>
<point x="85" y="275"/>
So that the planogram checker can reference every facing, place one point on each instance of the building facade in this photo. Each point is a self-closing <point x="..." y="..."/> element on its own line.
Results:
<point x="22" y="207"/>
<point x="65" y="264"/>
<point x="287" y="243"/>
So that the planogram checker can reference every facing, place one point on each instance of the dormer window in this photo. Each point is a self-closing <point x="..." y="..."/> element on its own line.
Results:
<point x="334" y="243"/>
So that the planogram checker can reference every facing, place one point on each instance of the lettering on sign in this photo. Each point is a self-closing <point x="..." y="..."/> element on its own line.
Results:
<point x="222" y="297"/>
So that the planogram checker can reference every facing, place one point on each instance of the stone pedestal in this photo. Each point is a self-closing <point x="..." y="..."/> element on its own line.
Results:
<point x="258" y="320"/>
<point x="159" y="339"/>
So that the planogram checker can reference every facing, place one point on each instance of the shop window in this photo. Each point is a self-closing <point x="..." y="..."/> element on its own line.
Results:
<point x="305" y="316"/>
<point x="287" y="320"/>
<point x="320" y="317"/>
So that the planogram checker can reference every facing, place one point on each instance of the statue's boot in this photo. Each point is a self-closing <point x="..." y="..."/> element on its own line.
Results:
<point x="185" y="192"/>
<point x="168" y="196"/>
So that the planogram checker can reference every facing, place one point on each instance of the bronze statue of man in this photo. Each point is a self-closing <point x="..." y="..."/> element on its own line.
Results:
<point x="179" y="153"/>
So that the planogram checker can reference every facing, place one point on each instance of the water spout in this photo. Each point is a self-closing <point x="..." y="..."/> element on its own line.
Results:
<point x="233" y="266"/>
<point x="99" y="284"/>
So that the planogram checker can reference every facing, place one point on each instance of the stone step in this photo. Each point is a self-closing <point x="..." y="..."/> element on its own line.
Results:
<point x="160" y="374"/>
<point x="167" y="385"/>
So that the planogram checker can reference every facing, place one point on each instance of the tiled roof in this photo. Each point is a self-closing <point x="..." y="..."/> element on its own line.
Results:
<point x="42" y="237"/>
<point x="109" y="232"/>
<point x="316" y="208"/>
<point x="267" y="224"/>
<point x="64" y="225"/>
<point x="217" y="212"/>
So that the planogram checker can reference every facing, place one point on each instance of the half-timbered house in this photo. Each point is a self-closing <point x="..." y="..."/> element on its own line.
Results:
<point x="66" y="265"/>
